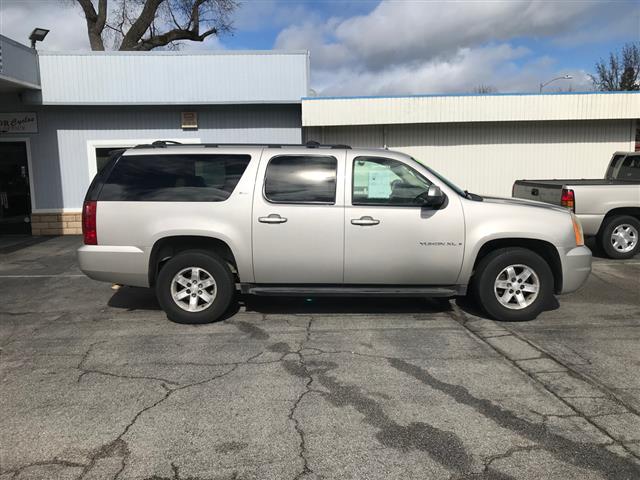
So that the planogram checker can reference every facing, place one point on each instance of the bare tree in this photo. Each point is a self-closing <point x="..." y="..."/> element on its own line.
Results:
<point x="148" y="24"/>
<point x="484" y="89"/>
<point x="621" y="72"/>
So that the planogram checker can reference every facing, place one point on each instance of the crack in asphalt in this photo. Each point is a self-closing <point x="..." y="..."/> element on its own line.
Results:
<point x="459" y="316"/>
<point x="118" y="447"/>
<point x="299" y="369"/>
<point x="15" y="472"/>
<point x="443" y="446"/>
<point x="85" y="371"/>
<point x="608" y="393"/>
<point x="580" y="454"/>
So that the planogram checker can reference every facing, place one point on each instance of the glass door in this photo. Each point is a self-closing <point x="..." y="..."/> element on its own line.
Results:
<point x="15" y="199"/>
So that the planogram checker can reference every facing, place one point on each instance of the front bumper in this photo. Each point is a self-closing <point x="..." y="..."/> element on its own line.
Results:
<point x="576" y="267"/>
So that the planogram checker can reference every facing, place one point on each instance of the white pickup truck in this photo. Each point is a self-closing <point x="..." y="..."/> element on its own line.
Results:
<point x="608" y="208"/>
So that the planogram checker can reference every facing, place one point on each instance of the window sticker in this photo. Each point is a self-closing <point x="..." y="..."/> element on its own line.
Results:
<point x="379" y="184"/>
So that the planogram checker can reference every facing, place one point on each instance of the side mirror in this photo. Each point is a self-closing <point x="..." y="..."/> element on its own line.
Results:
<point x="434" y="196"/>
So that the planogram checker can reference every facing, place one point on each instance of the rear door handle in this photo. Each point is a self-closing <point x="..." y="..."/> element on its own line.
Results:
<point x="273" y="218"/>
<point x="366" y="221"/>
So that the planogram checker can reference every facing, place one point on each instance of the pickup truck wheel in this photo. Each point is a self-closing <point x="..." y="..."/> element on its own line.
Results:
<point x="619" y="237"/>
<point x="513" y="284"/>
<point x="195" y="286"/>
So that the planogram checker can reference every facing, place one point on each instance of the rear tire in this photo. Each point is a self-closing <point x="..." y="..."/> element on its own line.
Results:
<point x="618" y="237"/>
<point x="194" y="287"/>
<point x="513" y="284"/>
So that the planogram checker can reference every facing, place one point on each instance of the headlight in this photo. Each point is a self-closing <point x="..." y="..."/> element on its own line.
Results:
<point x="577" y="230"/>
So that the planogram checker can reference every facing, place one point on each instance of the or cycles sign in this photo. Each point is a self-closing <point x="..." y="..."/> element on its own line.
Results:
<point x="21" y="122"/>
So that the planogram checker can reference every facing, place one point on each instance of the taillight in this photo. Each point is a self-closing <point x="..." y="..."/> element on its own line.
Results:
<point x="89" y="230"/>
<point x="568" y="199"/>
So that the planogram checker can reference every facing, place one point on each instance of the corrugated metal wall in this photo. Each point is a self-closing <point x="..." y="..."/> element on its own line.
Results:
<point x="488" y="157"/>
<point x="469" y="108"/>
<point x="102" y="78"/>
<point x="60" y="165"/>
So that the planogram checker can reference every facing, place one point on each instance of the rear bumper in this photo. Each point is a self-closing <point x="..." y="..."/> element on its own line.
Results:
<point x="115" y="264"/>
<point x="576" y="267"/>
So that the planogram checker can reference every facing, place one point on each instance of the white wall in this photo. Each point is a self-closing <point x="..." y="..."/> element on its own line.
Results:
<point x="488" y="157"/>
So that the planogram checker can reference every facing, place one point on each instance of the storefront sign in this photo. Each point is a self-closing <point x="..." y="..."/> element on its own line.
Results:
<point x="21" y="122"/>
<point x="189" y="120"/>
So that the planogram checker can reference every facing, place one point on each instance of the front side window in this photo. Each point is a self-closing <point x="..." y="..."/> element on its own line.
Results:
<point x="383" y="181"/>
<point x="301" y="179"/>
<point x="174" y="178"/>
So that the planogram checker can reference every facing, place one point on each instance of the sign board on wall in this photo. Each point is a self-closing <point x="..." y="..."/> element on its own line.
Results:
<point x="189" y="120"/>
<point x="21" y="122"/>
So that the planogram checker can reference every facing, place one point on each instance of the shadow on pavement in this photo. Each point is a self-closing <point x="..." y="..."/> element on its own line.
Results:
<point x="14" y="243"/>
<point x="133" y="298"/>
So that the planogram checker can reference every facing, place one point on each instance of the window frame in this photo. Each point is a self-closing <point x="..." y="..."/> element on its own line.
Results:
<point x="272" y="202"/>
<point x="353" y="179"/>
<point x="158" y="154"/>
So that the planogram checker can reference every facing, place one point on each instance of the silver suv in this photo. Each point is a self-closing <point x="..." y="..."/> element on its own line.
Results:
<point x="198" y="222"/>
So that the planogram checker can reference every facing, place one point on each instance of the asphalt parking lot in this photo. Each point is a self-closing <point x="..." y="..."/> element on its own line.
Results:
<point x="97" y="384"/>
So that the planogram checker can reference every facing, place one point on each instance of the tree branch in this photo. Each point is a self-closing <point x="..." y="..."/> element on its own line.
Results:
<point x="173" y="36"/>
<point x="95" y="21"/>
<point x="141" y="25"/>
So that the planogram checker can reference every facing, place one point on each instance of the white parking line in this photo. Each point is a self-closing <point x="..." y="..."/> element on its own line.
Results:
<point x="39" y="276"/>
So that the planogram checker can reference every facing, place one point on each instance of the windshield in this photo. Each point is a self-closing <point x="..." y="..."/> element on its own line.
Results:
<point x="448" y="183"/>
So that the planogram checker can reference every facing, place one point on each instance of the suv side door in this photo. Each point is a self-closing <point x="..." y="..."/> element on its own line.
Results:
<point x="298" y="217"/>
<point x="389" y="237"/>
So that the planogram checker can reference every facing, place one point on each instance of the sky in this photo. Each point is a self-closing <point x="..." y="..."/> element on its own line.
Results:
<point x="395" y="47"/>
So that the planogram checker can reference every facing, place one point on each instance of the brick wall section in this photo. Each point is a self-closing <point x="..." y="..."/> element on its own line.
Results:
<point x="56" y="224"/>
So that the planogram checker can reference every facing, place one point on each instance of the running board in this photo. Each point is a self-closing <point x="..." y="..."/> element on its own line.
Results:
<point x="352" y="291"/>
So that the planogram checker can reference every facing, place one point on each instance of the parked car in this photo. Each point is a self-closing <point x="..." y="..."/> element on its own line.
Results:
<point x="608" y="208"/>
<point x="197" y="222"/>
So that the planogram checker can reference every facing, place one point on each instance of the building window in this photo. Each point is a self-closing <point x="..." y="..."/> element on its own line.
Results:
<point x="103" y="155"/>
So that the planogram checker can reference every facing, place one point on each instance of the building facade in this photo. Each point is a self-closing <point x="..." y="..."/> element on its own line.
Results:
<point x="62" y="113"/>
<point x="484" y="143"/>
<point x="58" y="126"/>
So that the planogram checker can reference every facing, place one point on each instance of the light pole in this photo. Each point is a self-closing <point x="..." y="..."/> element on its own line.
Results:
<point x="564" y="77"/>
<point x="37" y="35"/>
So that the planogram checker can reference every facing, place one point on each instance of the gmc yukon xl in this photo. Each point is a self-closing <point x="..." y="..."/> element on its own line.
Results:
<point x="608" y="208"/>
<point x="198" y="222"/>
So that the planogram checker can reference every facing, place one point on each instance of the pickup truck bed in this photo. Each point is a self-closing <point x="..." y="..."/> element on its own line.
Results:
<point x="582" y="181"/>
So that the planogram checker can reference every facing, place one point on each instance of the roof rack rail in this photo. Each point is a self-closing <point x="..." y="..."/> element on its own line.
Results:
<point x="172" y="143"/>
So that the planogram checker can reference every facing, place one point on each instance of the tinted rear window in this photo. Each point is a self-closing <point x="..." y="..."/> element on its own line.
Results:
<point x="630" y="168"/>
<point x="174" y="178"/>
<point x="301" y="179"/>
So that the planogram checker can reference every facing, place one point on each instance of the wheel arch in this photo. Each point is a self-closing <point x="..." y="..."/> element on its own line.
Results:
<point x="166" y="247"/>
<point x="615" y="212"/>
<point x="543" y="248"/>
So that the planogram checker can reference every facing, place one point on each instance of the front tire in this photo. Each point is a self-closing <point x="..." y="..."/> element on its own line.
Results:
<point x="619" y="237"/>
<point x="195" y="287"/>
<point x="513" y="284"/>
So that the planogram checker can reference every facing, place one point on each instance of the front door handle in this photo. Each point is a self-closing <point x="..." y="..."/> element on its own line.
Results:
<point x="366" y="221"/>
<point x="273" y="218"/>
